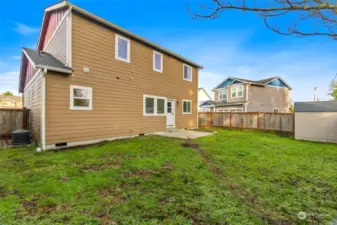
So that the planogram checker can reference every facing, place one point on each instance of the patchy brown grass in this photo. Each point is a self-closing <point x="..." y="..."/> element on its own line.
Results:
<point x="256" y="206"/>
<point x="133" y="173"/>
<point x="101" y="166"/>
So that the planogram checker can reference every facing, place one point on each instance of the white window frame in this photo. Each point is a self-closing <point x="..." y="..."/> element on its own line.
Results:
<point x="72" y="107"/>
<point x="220" y="93"/>
<point x="236" y="92"/>
<point x="161" y="62"/>
<point x="278" y="110"/>
<point x="155" y="113"/>
<point x="184" y="72"/>
<point x="182" y="106"/>
<point x="128" y="48"/>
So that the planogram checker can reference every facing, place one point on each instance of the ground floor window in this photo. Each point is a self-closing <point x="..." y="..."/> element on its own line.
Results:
<point x="80" y="98"/>
<point x="187" y="107"/>
<point x="276" y="110"/>
<point x="154" y="105"/>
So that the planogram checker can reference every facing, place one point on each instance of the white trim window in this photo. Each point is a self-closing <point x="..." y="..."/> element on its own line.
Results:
<point x="187" y="107"/>
<point x="237" y="91"/>
<point x="154" y="105"/>
<point x="157" y="62"/>
<point x="187" y="72"/>
<point x="80" y="98"/>
<point x="122" y="48"/>
<point x="223" y="94"/>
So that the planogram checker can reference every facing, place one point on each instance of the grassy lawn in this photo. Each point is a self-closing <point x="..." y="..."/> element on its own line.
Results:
<point x="233" y="177"/>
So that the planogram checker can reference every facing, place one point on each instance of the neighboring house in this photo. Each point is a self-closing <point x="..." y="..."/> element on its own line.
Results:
<point x="90" y="80"/>
<point x="242" y="95"/>
<point x="203" y="96"/>
<point x="10" y="101"/>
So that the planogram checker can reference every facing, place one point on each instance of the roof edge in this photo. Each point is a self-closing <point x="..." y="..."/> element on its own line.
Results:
<point x="206" y="93"/>
<point x="122" y="30"/>
<point x="290" y="88"/>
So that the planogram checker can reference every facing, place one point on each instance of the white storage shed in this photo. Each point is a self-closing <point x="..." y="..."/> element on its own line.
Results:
<point x="316" y="121"/>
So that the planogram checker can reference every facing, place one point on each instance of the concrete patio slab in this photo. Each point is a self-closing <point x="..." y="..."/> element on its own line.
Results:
<point x="185" y="134"/>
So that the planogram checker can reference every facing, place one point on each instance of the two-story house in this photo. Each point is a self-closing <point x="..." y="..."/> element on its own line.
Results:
<point x="90" y="80"/>
<point x="242" y="95"/>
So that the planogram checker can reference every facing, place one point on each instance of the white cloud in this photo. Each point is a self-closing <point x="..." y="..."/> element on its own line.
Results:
<point x="24" y="29"/>
<point x="304" y="65"/>
<point x="9" y="82"/>
<point x="16" y="57"/>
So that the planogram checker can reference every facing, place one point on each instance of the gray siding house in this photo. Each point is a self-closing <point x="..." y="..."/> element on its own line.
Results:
<point x="242" y="95"/>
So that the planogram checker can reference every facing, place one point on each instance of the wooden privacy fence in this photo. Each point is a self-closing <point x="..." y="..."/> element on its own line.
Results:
<point x="283" y="122"/>
<point x="12" y="119"/>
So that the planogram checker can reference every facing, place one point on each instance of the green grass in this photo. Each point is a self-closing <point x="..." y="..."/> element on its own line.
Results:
<point x="233" y="177"/>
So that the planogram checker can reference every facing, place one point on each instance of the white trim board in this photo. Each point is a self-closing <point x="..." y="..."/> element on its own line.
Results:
<point x="182" y="108"/>
<point x="43" y="110"/>
<point x="128" y="59"/>
<point x="161" y="62"/>
<point x="30" y="60"/>
<point x="69" y="37"/>
<point x="33" y="79"/>
<point x="188" y="66"/>
<point x="155" y="107"/>
<point x="89" y="89"/>
<point x="94" y="141"/>
<point x="236" y="92"/>
<point x="55" y="31"/>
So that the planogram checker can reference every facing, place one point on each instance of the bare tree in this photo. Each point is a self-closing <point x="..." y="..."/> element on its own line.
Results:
<point x="320" y="14"/>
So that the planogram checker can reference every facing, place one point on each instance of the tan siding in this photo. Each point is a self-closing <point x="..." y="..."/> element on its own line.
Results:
<point x="316" y="126"/>
<point x="117" y="103"/>
<point x="59" y="42"/>
<point x="32" y="101"/>
<point x="265" y="99"/>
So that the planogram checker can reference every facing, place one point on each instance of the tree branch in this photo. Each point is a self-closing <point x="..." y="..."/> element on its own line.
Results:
<point x="321" y="12"/>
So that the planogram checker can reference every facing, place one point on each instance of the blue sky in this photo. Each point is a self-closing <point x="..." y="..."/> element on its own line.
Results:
<point x="236" y="44"/>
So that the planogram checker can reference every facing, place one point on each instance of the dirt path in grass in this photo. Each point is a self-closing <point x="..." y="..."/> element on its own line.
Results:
<point x="254" y="205"/>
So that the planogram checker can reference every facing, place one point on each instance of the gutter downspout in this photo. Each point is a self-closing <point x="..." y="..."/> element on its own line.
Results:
<point x="43" y="109"/>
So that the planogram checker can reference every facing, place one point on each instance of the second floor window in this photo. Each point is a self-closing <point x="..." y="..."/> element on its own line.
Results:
<point x="237" y="91"/>
<point x="122" y="49"/>
<point x="157" y="62"/>
<point x="187" y="72"/>
<point x="223" y="94"/>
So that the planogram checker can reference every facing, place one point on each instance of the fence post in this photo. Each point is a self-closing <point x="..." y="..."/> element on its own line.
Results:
<point x="258" y="120"/>
<point x="293" y="123"/>
<point x="230" y="119"/>
<point x="211" y="119"/>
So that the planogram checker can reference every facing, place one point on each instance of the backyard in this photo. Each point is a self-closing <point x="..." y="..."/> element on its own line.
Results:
<point x="232" y="177"/>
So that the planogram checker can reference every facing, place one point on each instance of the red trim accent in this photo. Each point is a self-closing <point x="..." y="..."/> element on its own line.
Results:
<point x="52" y="20"/>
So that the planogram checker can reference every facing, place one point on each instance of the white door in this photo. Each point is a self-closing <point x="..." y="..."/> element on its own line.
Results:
<point x="170" y="117"/>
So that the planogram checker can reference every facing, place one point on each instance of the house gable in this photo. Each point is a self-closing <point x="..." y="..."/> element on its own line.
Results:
<point x="277" y="83"/>
<point x="236" y="82"/>
<point x="51" y="20"/>
<point x="225" y="83"/>
<point x="203" y="95"/>
<point x="206" y="104"/>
